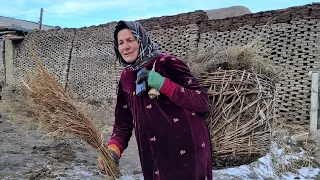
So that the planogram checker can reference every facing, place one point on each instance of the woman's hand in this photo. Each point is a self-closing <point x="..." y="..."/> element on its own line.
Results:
<point x="100" y="161"/>
<point x="154" y="79"/>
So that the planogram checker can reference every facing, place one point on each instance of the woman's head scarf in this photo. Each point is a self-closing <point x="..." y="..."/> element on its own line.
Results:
<point x="147" y="48"/>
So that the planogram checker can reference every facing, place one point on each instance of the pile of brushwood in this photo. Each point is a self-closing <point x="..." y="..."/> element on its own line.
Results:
<point x="241" y="88"/>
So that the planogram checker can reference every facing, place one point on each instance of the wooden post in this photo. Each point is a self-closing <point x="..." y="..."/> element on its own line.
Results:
<point x="314" y="102"/>
<point x="8" y="59"/>
<point x="40" y="23"/>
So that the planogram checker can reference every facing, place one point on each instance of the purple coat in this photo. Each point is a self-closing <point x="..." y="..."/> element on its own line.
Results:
<point x="171" y="133"/>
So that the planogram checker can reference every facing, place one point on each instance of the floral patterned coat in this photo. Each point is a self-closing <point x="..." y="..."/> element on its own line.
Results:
<point x="171" y="133"/>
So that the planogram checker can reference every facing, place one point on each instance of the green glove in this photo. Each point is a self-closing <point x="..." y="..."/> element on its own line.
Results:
<point x="155" y="80"/>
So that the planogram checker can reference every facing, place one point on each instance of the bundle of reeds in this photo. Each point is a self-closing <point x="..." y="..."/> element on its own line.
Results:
<point x="241" y="89"/>
<point x="58" y="113"/>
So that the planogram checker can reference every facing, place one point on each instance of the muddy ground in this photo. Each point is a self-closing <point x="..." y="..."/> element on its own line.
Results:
<point x="27" y="153"/>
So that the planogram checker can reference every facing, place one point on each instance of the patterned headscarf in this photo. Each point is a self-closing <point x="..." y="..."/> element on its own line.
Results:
<point x="147" y="48"/>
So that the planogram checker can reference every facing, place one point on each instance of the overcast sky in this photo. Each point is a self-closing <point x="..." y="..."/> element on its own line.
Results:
<point x="80" y="13"/>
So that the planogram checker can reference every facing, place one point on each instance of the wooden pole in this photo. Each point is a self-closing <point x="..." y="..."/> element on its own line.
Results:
<point x="8" y="59"/>
<point x="314" y="102"/>
<point x="40" y="23"/>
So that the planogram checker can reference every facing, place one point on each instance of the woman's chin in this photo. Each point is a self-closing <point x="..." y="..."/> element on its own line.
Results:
<point x="130" y="60"/>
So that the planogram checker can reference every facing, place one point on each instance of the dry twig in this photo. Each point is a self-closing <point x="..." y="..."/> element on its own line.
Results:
<point x="57" y="111"/>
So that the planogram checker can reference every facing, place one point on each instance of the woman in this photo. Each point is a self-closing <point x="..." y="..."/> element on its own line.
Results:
<point x="171" y="133"/>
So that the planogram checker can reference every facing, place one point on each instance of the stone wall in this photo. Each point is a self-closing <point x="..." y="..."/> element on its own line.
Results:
<point x="84" y="58"/>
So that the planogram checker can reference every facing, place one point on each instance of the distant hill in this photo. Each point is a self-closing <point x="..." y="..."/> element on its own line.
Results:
<point x="227" y="12"/>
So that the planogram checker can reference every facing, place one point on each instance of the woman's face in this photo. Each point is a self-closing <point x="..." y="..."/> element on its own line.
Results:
<point x="128" y="46"/>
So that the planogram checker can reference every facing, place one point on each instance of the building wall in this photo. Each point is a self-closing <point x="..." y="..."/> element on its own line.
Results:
<point x="84" y="58"/>
<point x="93" y="68"/>
<point x="6" y="21"/>
<point x="290" y="41"/>
<point x="52" y="47"/>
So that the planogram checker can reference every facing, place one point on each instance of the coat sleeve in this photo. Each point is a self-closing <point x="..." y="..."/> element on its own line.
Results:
<point x="182" y="87"/>
<point x="123" y="124"/>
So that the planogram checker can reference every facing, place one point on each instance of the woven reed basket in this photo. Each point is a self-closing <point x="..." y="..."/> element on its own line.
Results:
<point x="240" y="117"/>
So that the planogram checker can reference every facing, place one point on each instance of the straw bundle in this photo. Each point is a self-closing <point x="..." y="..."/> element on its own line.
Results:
<point x="58" y="113"/>
<point x="241" y="89"/>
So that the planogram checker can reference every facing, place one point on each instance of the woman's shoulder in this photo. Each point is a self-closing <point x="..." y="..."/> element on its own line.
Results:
<point x="166" y="56"/>
<point x="169" y="60"/>
<point x="165" y="60"/>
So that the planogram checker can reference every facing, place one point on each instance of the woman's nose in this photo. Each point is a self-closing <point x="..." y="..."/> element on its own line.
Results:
<point x="126" y="45"/>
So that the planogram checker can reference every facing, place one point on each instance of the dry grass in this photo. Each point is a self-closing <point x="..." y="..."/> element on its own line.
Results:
<point x="234" y="58"/>
<point x="282" y="133"/>
<point x="58" y="113"/>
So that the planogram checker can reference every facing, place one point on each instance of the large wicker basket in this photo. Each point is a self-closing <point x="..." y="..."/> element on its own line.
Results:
<point x="240" y="115"/>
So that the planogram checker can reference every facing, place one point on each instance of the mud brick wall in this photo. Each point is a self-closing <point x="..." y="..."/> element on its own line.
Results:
<point x="177" y="35"/>
<point x="291" y="41"/>
<point x="93" y="72"/>
<point x="52" y="47"/>
<point x="2" y="70"/>
<point x="84" y="59"/>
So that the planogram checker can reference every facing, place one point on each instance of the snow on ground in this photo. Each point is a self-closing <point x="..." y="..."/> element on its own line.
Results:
<point x="264" y="168"/>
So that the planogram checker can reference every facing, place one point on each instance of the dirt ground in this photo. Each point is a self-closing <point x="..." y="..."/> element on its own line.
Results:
<point x="26" y="153"/>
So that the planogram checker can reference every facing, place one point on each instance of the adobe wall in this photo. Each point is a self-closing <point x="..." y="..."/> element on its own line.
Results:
<point x="290" y="41"/>
<point x="85" y="59"/>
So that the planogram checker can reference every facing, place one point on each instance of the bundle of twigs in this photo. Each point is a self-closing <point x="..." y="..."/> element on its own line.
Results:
<point x="240" y="114"/>
<point x="58" y="113"/>
<point x="240" y="84"/>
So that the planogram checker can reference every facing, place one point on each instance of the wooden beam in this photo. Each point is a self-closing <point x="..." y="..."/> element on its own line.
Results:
<point x="14" y="37"/>
<point x="7" y="32"/>
<point x="314" y="102"/>
<point x="8" y="59"/>
<point x="4" y="27"/>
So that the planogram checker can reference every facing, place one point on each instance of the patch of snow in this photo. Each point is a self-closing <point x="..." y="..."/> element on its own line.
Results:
<point x="263" y="168"/>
